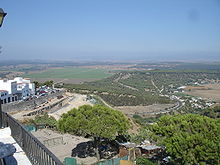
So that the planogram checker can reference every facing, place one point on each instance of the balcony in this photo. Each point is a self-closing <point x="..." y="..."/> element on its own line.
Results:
<point x="25" y="142"/>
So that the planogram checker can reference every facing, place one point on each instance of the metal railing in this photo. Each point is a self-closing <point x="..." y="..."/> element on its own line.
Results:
<point x="37" y="153"/>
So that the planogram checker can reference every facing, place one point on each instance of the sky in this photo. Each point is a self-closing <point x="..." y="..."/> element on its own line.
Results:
<point x="111" y="30"/>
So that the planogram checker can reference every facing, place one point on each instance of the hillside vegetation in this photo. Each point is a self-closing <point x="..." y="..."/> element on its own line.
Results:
<point x="141" y="87"/>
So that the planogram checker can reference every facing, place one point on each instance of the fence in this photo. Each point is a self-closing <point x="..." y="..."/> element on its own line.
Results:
<point x="30" y="104"/>
<point x="37" y="153"/>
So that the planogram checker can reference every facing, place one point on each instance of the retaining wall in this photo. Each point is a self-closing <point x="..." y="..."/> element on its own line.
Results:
<point x="30" y="104"/>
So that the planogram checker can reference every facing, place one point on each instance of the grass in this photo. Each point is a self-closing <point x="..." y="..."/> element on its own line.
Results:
<point x="70" y="72"/>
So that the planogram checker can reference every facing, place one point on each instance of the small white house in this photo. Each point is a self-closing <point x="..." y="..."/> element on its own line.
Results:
<point x="5" y="98"/>
<point x="8" y="85"/>
<point x="30" y="86"/>
<point x="23" y="90"/>
<point x="18" y="88"/>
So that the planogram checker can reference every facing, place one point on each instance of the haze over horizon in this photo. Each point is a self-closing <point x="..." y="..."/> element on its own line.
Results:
<point x="113" y="30"/>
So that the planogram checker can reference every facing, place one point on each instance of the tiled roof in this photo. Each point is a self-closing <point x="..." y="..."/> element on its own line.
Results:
<point x="3" y="91"/>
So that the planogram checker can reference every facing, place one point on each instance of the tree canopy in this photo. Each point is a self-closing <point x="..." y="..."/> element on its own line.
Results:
<point x="48" y="83"/>
<point x="44" y="119"/>
<point x="97" y="121"/>
<point x="190" y="138"/>
<point x="144" y="161"/>
<point x="212" y="112"/>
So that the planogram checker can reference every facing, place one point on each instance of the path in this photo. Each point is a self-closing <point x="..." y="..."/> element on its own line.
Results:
<point x="127" y="86"/>
<point x="155" y="86"/>
<point x="124" y="77"/>
<point x="74" y="101"/>
<point x="106" y="104"/>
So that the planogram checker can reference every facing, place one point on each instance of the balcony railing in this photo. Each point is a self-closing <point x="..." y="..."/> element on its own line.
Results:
<point x="37" y="153"/>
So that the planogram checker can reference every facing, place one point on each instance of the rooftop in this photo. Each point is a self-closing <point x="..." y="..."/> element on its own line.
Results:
<point x="3" y="91"/>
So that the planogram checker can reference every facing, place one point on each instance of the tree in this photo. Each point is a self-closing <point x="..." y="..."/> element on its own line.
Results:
<point x="142" y="135"/>
<point x="190" y="138"/>
<point x="212" y="112"/>
<point x="37" y="84"/>
<point x="45" y="119"/>
<point x="144" y="161"/>
<point x="48" y="83"/>
<point x="98" y="121"/>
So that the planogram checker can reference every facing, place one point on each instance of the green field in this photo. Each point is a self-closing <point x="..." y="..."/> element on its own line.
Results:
<point x="82" y="73"/>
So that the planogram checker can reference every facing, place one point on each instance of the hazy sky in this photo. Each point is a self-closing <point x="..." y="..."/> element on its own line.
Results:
<point x="111" y="29"/>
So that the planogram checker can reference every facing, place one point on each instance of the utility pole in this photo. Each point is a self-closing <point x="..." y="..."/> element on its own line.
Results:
<point x="2" y="15"/>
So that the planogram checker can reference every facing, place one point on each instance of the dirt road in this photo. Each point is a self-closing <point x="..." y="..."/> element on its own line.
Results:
<point x="144" y="110"/>
<point x="74" y="101"/>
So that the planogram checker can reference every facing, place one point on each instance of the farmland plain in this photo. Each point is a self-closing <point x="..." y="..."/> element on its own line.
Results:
<point x="70" y="73"/>
<point x="210" y="91"/>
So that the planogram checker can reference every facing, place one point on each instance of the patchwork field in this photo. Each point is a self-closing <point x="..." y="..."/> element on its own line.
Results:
<point x="144" y="111"/>
<point x="210" y="91"/>
<point x="65" y="80"/>
<point x="74" y="74"/>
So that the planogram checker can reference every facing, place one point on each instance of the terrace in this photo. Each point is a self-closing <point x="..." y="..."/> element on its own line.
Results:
<point x="29" y="150"/>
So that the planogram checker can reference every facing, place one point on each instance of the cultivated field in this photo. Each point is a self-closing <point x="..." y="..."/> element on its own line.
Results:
<point x="70" y="73"/>
<point x="210" y="91"/>
<point x="189" y="88"/>
<point x="144" y="111"/>
<point x="65" y="80"/>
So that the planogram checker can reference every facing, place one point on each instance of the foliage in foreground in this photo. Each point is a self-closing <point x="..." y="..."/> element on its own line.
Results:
<point x="142" y="135"/>
<point x="145" y="121"/>
<point x="97" y="121"/>
<point x="47" y="83"/>
<point x="144" y="161"/>
<point x="212" y="112"/>
<point x="190" y="138"/>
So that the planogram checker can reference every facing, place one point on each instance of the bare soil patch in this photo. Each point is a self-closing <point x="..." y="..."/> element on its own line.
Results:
<point x="196" y="88"/>
<point x="210" y="91"/>
<point x="74" y="101"/>
<point x="143" y="110"/>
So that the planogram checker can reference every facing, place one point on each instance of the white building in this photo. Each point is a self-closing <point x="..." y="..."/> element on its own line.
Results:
<point x="27" y="81"/>
<point x="18" y="88"/>
<point x="8" y="85"/>
<point x="5" y="97"/>
<point x="23" y="90"/>
<point x="8" y="90"/>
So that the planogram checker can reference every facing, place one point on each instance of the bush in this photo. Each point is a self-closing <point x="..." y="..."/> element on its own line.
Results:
<point x="45" y="119"/>
<point x="144" y="161"/>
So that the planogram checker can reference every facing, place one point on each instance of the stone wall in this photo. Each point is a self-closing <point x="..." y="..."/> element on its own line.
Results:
<point x="29" y="105"/>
